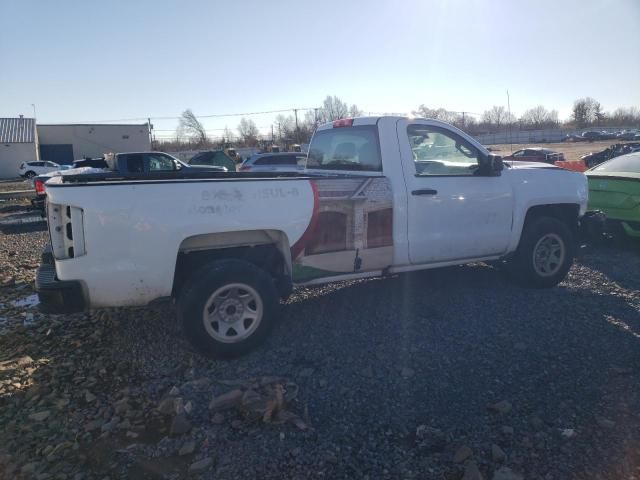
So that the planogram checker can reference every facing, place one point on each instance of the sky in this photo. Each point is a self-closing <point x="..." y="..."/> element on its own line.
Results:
<point x="80" y="61"/>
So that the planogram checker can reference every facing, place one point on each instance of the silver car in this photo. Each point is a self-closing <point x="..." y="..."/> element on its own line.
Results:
<point x="274" y="162"/>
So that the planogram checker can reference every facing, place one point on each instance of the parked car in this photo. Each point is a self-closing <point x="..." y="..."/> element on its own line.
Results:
<point x="595" y="158"/>
<point x="536" y="154"/>
<point x="592" y="136"/>
<point x="213" y="158"/>
<point x="31" y="169"/>
<point x="273" y="162"/>
<point x="379" y="196"/>
<point x="132" y="163"/>
<point x="614" y="188"/>
<point x="572" y="137"/>
<point x="626" y="134"/>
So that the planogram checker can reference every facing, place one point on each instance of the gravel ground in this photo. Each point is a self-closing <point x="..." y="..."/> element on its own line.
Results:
<point x="446" y="374"/>
<point x="15" y="184"/>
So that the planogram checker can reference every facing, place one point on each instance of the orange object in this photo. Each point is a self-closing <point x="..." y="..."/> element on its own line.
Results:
<point x="575" y="165"/>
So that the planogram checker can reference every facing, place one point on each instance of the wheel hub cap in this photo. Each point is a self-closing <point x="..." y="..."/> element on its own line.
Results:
<point x="548" y="255"/>
<point x="232" y="313"/>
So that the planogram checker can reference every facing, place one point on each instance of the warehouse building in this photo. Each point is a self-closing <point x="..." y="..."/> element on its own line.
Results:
<point x="21" y="140"/>
<point x="65" y="143"/>
<point x="18" y="143"/>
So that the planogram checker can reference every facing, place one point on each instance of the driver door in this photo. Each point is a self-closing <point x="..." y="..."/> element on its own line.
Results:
<point x="453" y="213"/>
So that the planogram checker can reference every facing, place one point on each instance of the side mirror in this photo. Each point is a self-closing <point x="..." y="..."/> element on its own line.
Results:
<point x="496" y="163"/>
<point x="490" y="166"/>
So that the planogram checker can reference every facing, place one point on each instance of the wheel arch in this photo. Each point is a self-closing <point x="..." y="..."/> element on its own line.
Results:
<point x="568" y="213"/>
<point x="267" y="249"/>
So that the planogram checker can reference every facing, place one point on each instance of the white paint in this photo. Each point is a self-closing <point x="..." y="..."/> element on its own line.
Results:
<point x="94" y="140"/>
<point x="12" y="155"/>
<point x="133" y="230"/>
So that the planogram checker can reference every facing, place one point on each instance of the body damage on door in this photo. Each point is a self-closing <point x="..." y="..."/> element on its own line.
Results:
<point x="351" y="229"/>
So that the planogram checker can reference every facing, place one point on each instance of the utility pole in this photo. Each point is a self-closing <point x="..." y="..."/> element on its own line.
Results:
<point x="35" y="132"/>
<point x="272" y="137"/>
<point x="295" y="112"/>
<point x="509" y="119"/>
<point x="463" y="123"/>
<point x="315" y="118"/>
<point x="279" y="132"/>
<point x="150" y="128"/>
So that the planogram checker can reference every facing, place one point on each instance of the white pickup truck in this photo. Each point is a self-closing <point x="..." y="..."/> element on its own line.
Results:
<point x="379" y="196"/>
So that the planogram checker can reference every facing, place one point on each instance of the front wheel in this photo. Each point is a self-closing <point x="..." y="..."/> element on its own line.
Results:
<point x="228" y="307"/>
<point x="545" y="253"/>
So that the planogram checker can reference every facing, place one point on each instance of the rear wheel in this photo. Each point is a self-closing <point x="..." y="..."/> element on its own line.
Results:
<point x="30" y="174"/>
<point x="228" y="307"/>
<point x="545" y="253"/>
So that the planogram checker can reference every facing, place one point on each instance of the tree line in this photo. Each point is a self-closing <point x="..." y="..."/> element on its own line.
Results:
<point x="289" y="129"/>
<point x="586" y="113"/>
<point x="191" y="133"/>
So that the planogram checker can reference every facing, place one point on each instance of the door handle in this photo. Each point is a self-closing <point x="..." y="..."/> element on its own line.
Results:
<point x="425" y="191"/>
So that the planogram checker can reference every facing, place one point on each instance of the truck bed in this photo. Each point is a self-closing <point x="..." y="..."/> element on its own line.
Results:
<point x="110" y="176"/>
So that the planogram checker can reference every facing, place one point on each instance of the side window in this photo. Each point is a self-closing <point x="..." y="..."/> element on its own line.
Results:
<point x="37" y="164"/>
<point x="438" y="151"/>
<point x="135" y="163"/>
<point x="352" y="148"/>
<point x="519" y="153"/>
<point x="285" y="160"/>
<point x="160" y="163"/>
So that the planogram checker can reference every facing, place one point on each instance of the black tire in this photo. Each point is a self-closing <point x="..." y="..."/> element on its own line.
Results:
<point x="29" y="174"/>
<point x="539" y="229"/>
<point x="203" y="284"/>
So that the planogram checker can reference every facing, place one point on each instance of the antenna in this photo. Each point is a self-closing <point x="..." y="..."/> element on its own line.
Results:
<point x="509" y="109"/>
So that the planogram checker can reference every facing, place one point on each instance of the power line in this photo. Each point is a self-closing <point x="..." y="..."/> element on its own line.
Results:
<point x="214" y="115"/>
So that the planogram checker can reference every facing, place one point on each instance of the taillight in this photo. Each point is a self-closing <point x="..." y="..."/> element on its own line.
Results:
<point x="39" y="184"/>
<point x="343" y="122"/>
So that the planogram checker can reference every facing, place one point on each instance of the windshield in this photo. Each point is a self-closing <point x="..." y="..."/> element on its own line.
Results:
<point x="352" y="148"/>
<point x="629" y="163"/>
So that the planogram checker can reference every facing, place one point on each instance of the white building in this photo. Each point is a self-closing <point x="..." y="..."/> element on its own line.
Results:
<point x="65" y="143"/>
<point x="18" y="143"/>
<point x="21" y="140"/>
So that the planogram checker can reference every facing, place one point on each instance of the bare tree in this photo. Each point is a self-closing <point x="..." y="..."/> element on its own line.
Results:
<point x="227" y="135"/>
<point x="539" y="117"/>
<point x="497" y="117"/>
<point x="248" y="132"/>
<point x="625" y="116"/>
<point x="191" y="127"/>
<point x="354" y="111"/>
<point x="334" y="109"/>
<point x="286" y="126"/>
<point x="587" y="111"/>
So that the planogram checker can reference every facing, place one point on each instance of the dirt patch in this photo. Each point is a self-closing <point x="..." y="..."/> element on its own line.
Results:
<point x="572" y="151"/>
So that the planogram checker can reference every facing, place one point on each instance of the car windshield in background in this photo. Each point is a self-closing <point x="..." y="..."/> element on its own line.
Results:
<point x="626" y="163"/>
<point x="354" y="148"/>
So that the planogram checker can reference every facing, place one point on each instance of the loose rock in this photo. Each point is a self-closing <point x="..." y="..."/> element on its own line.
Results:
<point x="201" y="465"/>
<point x="505" y="473"/>
<point x="497" y="454"/>
<point x="462" y="453"/>
<point x="471" y="471"/>
<point x="180" y="425"/>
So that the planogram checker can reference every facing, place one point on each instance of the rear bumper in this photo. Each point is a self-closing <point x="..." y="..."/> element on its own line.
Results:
<point x="39" y="202"/>
<point x="57" y="296"/>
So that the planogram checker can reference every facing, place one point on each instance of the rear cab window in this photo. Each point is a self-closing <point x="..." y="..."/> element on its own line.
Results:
<point x="350" y="148"/>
